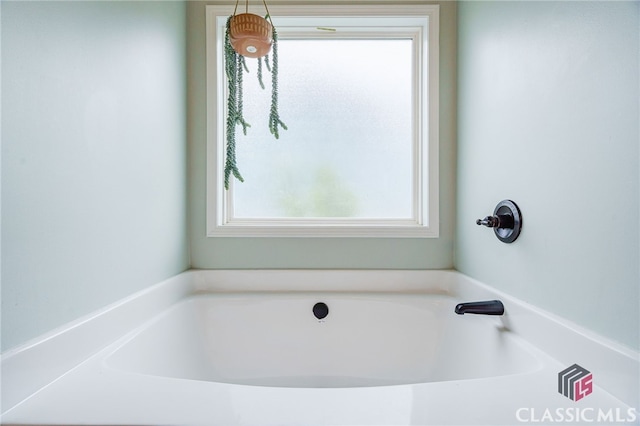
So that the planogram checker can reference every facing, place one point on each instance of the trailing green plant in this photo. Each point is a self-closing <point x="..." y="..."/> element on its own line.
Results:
<point x="274" y="115"/>
<point x="235" y="67"/>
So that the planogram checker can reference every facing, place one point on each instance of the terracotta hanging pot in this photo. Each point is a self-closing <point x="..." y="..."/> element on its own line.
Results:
<point x="250" y="35"/>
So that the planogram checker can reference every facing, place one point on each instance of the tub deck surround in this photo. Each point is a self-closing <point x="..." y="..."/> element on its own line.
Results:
<point x="30" y="367"/>
<point x="137" y="362"/>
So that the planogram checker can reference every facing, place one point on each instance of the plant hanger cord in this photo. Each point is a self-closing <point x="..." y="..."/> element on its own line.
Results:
<point x="246" y="9"/>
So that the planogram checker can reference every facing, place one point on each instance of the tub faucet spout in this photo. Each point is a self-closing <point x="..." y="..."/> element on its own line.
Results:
<point x="489" y="307"/>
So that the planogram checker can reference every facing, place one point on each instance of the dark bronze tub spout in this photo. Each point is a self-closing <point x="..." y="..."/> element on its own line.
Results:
<point x="489" y="307"/>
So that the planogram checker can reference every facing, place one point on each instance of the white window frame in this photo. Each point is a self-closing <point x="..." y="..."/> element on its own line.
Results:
<point x="399" y="20"/>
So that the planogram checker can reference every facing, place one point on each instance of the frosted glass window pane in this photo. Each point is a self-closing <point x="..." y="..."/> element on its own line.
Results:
<point x="348" y="152"/>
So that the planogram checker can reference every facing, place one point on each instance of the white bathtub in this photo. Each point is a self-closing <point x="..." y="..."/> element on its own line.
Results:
<point x="244" y="348"/>
<point x="366" y="340"/>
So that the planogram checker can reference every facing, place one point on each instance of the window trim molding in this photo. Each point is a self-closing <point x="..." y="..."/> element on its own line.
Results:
<point x="426" y="215"/>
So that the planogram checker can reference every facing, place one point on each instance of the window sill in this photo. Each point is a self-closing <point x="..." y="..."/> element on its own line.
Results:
<point x="328" y="229"/>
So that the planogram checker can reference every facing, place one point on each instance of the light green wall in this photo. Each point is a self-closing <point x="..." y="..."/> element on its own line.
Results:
<point x="93" y="157"/>
<point x="329" y="252"/>
<point x="548" y="116"/>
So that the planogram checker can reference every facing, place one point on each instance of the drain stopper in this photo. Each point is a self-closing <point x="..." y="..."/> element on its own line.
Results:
<point x="320" y="310"/>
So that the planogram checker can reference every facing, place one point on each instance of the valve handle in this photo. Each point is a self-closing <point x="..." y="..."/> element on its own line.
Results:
<point x="506" y="221"/>
<point x="489" y="222"/>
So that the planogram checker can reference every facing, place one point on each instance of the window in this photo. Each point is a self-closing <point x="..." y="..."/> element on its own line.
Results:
<point x="358" y="90"/>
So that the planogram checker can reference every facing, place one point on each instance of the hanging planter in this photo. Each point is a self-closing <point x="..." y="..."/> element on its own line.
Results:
<point x="248" y="36"/>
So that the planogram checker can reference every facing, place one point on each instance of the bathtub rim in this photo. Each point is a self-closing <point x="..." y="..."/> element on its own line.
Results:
<point x="68" y="346"/>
